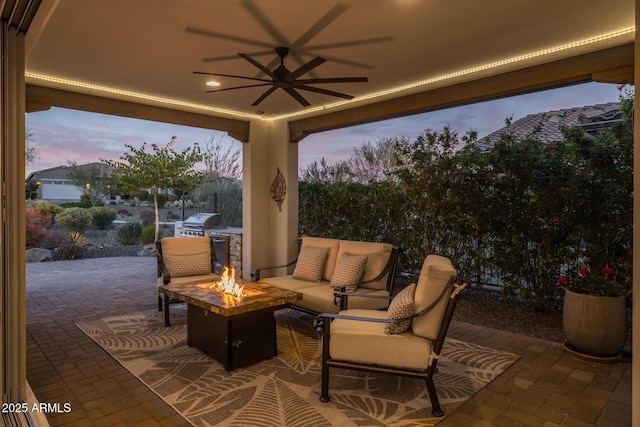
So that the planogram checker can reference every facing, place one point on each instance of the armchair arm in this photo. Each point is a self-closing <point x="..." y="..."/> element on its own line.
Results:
<point x="255" y="273"/>
<point x="456" y="284"/>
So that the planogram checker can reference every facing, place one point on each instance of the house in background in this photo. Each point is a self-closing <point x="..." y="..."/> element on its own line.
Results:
<point x="591" y="118"/>
<point x="54" y="185"/>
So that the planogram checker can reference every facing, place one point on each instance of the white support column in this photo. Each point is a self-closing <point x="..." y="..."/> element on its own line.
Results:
<point x="270" y="232"/>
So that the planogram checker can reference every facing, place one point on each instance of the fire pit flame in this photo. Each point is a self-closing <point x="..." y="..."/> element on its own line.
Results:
<point x="227" y="283"/>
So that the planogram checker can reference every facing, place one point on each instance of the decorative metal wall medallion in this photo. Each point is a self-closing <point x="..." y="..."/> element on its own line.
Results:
<point x="278" y="189"/>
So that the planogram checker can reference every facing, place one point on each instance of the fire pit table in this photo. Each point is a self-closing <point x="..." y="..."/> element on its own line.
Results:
<point x="235" y="331"/>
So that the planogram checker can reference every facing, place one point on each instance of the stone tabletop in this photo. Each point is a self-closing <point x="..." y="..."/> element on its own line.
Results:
<point x="256" y="296"/>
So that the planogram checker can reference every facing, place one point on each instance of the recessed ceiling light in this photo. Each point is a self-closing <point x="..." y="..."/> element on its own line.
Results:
<point x="212" y="83"/>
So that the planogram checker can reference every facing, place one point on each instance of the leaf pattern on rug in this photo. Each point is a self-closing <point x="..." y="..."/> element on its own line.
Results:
<point x="284" y="390"/>
<point x="298" y="344"/>
<point x="276" y="404"/>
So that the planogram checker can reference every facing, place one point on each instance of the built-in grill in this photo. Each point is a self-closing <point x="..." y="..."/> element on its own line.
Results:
<point x="196" y="224"/>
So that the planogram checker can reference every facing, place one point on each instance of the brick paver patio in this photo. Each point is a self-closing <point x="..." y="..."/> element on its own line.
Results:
<point x="545" y="387"/>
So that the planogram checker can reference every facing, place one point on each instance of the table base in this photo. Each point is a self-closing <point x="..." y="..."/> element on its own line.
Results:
<point x="234" y="341"/>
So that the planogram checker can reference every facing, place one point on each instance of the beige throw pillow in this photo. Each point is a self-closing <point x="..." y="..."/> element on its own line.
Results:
<point x="310" y="264"/>
<point x="349" y="271"/>
<point x="401" y="306"/>
<point x="188" y="265"/>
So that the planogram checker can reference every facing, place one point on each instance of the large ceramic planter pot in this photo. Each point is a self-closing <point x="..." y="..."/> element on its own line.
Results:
<point x="595" y="325"/>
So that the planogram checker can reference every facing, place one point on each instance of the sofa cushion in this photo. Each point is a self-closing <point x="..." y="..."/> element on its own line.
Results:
<point x="310" y="264"/>
<point x="434" y="276"/>
<point x="332" y="256"/>
<point x="401" y="306"/>
<point x="188" y="264"/>
<point x="349" y="271"/>
<point x="377" y="258"/>
<point x="366" y="342"/>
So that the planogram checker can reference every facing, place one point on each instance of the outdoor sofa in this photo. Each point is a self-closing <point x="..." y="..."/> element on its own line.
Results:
<point x="334" y="275"/>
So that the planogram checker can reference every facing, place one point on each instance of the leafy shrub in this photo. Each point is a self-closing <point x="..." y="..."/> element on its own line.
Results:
<point x="124" y="212"/>
<point x="143" y="195"/>
<point x="147" y="216"/>
<point x="162" y="199"/>
<point x="37" y="227"/>
<point x="47" y="208"/>
<point x="87" y="198"/>
<point x="171" y="215"/>
<point x="75" y="205"/>
<point x="187" y="204"/>
<point x="102" y="217"/>
<point x="54" y="239"/>
<point x="74" y="219"/>
<point x="71" y="248"/>
<point x="129" y="233"/>
<point x="149" y="234"/>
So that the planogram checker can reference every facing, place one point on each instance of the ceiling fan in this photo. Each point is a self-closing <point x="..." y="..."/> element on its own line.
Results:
<point x="289" y="81"/>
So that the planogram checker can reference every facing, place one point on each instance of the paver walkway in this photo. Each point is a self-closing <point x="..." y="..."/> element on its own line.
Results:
<point x="545" y="387"/>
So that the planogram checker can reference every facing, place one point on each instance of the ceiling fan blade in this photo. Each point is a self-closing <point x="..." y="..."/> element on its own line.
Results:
<point x="227" y="37"/>
<point x="262" y="19"/>
<point x="348" y="62"/>
<point x="264" y="95"/>
<point x="322" y="23"/>
<point x="291" y="91"/>
<point x="308" y="67"/>
<point x="351" y="43"/>
<point x="332" y="80"/>
<point x="237" y="87"/>
<point x="258" y="65"/>
<point x="232" y="75"/>
<point x="235" y="56"/>
<point x="325" y="91"/>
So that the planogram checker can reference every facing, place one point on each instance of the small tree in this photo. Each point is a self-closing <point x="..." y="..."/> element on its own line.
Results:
<point x="163" y="167"/>
<point x="93" y="180"/>
<point x="31" y="153"/>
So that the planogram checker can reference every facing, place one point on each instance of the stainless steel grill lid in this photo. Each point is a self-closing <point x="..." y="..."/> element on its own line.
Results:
<point x="204" y="221"/>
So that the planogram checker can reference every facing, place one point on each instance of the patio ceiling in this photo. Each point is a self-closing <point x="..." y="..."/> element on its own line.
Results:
<point x="145" y="51"/>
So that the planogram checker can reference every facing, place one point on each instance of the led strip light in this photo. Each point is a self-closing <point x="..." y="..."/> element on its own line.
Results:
<point x="426" y="82"/>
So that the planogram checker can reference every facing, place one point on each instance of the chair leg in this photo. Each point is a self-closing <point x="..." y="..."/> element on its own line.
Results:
<point x="159" y="302"/>
<point x="166" y="311"/>
<point x="326" y="333"/>
<point x="431" y="389"/>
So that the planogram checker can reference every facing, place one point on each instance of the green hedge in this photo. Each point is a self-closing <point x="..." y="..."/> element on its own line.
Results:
<point x="527" y="210"/>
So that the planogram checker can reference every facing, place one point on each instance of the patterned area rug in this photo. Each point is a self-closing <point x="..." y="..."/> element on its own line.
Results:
<point x="284" y="391"/>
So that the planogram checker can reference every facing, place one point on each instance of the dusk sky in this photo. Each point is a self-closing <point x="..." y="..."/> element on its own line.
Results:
<point x="62" y="135"/>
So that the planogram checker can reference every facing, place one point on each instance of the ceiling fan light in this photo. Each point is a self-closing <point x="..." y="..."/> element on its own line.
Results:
<point x="213" y="83"/>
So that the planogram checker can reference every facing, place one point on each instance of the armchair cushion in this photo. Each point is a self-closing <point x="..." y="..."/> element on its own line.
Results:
<point x="188" y="264"/>
<point x="401" y="306"/>
<point x="310" y="263"/>
<point x="366" y="342"/>
<point x="349" y="271"/>
<point x="434" y="276"/>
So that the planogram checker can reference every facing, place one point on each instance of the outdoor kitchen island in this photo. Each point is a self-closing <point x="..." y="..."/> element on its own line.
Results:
<point x="235" y="331"/>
